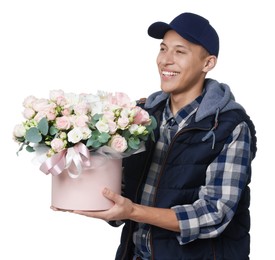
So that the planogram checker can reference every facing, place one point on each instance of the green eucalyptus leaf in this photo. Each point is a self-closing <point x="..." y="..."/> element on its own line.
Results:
<point x="53" y="130"/>
<point x="126" y="134"/>
<point x="153" y="124"/>
<point x="30" y="149"/>
<point x="89" y="142"/>
<point x="43" y="126"/>
<point x="33" y="135"/>
<point x="95" y="134"/>
<point x="96" y="144"/>
<point x="103" y="138"/>
<point x="95" y="118"/>
<point x="93" y="142"/>
<point x="134" y="143"/>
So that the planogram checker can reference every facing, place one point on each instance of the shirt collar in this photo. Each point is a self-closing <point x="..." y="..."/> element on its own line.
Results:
<point x="183" y="114"/>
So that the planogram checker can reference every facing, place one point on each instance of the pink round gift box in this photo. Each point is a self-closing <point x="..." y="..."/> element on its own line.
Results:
<point x="84" y="192"/>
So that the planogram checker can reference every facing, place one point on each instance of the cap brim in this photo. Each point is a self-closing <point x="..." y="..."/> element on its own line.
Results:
<point x="158" y="29"/>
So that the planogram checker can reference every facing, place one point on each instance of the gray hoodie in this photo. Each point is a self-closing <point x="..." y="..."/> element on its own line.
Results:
<point x="218" y="96"/>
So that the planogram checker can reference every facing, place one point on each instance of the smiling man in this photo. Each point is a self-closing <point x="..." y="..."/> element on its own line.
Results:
<point x="187" y="196"/>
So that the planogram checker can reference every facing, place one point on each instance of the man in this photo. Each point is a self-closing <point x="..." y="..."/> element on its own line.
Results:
<point x="187" y="195"/>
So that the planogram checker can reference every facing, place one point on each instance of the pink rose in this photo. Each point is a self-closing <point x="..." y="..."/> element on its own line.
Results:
<point x="40" y="104"/>
<point x="66" y="111"/>
<point x="108" y="115"/>
<point x="120" y="99"/>
<point x="123" y="122"/>
<point x="28" y="101"/>
<point x="57" y="145"/>
<point x="56" y="94"/>
<point x="51" y="115"/>
<point x="63" y="122"/>
<point x="141" y="117"/>
<point x="112" y="127"/>
<point x="80" y="121"/>
<point x="28" y="113"/>
<point x="81" y="108"/>
<point x="61" y="101"/>
<point x="39" y="116"/>
<point x="118" y="143"/>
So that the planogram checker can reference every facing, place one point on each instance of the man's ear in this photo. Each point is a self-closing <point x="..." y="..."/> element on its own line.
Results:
<point x="210" y="63"/>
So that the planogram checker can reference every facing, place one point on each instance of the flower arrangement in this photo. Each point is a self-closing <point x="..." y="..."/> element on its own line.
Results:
<point x="65" y="120"/>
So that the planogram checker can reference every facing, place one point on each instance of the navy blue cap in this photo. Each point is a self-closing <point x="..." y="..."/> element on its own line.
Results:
<point x="191" y="27"/>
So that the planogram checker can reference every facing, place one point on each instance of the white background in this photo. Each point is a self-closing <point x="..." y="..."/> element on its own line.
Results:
<point x="85" y="46"/>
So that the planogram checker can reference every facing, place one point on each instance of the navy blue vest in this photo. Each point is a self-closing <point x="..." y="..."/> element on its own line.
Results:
<point x="190" y="155"/>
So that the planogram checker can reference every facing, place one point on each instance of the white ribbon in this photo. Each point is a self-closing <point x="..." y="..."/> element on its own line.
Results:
<point x="73" y="158"/>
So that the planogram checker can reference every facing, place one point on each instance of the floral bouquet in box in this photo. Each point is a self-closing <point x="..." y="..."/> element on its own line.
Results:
<point x="69" y="131"/>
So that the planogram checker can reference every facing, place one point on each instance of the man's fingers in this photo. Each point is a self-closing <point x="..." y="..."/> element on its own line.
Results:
<point x="110" y="195"/>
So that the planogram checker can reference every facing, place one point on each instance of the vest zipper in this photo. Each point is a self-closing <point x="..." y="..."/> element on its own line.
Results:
<point x="213" y="249"/>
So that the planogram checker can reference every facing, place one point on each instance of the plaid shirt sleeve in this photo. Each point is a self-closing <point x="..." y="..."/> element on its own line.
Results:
<point x="226" y="177"/>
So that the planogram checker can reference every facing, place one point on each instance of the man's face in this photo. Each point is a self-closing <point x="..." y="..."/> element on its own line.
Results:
<point x="181" y="64"/>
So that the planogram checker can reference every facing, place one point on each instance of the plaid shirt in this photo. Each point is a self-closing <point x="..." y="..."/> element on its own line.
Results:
<point x="211" y="213"/>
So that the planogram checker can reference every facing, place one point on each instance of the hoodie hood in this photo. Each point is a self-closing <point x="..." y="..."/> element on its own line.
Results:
<point x="217" y="96"/>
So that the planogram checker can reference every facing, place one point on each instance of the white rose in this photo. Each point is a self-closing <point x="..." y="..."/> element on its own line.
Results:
<point x="86" y="132"/>
<point x="96" y="107"/>
<point x="72" y="99"/>
<point x="133" y="128"/>
<point x="19" y="130"/>
<point x="75" y="135"/>
<point x="136" y="129"/>
<point x="141" y="129"/>
<point x="102" y="126"/>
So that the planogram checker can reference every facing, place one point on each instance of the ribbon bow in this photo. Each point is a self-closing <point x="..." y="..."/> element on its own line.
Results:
<point x="72" y="159"/>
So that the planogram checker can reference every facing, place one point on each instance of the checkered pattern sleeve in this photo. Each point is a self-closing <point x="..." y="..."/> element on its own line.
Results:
<point x="226" y="177"/>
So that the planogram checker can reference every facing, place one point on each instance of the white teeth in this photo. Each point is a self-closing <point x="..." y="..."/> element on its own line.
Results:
<point x="169" y="73"/>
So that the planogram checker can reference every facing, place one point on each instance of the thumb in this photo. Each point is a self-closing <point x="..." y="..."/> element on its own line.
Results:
<point x="110" y="194"/>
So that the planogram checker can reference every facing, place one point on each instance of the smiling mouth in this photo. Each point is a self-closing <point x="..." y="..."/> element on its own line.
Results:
<point x="169" y="73"/>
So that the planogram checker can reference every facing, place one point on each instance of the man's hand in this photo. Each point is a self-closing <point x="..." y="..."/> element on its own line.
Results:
<point x="125" y="209"/>
<point x="122" y="208"/>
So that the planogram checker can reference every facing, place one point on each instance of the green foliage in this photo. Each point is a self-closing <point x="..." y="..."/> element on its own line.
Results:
<point x="97" y="139"/>
<point x="133" y="143"/>
<point x="43" y="126"/>
<point x="30" y="148"/>
<point x="53" y="131"/>
<point x="153" y="124"/>
<point x="151" y="128"/>
<point x="95" y="119"/>
<point x="104" y="138"/>
<point x="33" y="135"/>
